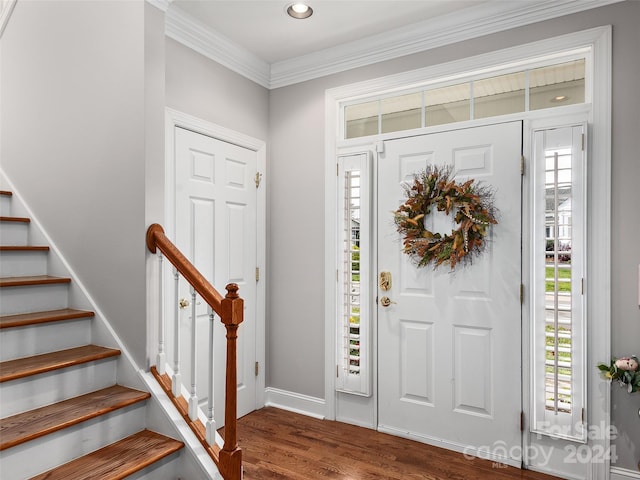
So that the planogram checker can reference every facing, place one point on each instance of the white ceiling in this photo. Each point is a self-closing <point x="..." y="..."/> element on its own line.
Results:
<point x="264" y="28"/>
<point x="256" y="38"/>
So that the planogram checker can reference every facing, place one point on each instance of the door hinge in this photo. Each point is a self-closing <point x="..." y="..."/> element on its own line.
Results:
<point x="521" y="293"/>
<point x="582" y="286"/>
<point x="521" y="164"/>
<point x="521" y="421"/>
<point x="257" y="368"/>
<point x="337" y="371"/>
<point x="582" y="142"/>
<point x="258" y="179"/>
<point x="257" y="274"/>
<point x="582" y="415"/>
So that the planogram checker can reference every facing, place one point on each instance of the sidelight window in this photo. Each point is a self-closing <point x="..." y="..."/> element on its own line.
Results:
<point x="558" y="283"/>
<point x="353" y="352"/>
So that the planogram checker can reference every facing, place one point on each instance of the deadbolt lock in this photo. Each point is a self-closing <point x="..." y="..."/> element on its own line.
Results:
<point x="384" y="281"/>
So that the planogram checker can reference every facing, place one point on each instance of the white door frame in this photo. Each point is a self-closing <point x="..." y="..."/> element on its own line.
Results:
<point x="175" y="118"/>
<point x="599" y="197"/>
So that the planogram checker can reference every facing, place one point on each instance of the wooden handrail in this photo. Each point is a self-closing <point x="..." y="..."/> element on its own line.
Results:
<point x="231" y="311"/>
<point x="156" y="239"/>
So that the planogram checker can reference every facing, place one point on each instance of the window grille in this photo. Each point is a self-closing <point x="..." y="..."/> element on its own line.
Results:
<point x="353" y="342"/>
<point x="558" y="280"/>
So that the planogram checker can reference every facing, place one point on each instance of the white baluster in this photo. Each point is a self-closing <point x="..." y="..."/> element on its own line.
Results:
<point x="161" y="357"/>
<point x="211" y="423"/>
<point x="193" y="398"/>
<point x="176" y="381"/>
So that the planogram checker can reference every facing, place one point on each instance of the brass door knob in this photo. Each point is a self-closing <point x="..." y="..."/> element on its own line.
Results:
<point x="386" y="301"/>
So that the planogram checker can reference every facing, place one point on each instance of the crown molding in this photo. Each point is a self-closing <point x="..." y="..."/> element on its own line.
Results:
<point x="6" y="7"/>
<point x="162" y="5"/>
<point x="185" y="29"/>
<point x="474" y="22"/>
<point x="471" y="23"/>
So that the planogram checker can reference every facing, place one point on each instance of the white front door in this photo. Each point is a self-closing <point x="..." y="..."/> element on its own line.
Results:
<point x="449" y="348"/>
<point x="216" y="205"/>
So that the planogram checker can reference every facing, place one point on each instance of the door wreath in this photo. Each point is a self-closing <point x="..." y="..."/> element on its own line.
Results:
<point x="471" y="205"/>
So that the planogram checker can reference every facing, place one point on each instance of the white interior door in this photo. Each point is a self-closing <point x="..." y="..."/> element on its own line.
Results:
<point x="216" y="205"/>
<point x="449" y="358"/>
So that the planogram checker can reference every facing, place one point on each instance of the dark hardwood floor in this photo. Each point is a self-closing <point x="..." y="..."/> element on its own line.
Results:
<point x="282" y="445"/>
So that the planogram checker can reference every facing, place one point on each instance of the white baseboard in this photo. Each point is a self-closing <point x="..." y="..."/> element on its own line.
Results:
<point x="623" y="474"/>
<point x="295" y="402"/>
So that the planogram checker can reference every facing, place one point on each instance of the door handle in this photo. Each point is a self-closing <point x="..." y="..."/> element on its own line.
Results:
<point x="386" y="301"/>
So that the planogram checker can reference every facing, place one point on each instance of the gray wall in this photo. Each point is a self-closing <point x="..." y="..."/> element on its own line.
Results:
<point x="73" y="142"/>
<point x="207" y="90"/>
<point x="296" y="200"/>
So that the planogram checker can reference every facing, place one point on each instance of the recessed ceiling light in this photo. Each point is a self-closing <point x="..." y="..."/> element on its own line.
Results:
<point x="560" y="98"/>
<point x="299" y="10"/>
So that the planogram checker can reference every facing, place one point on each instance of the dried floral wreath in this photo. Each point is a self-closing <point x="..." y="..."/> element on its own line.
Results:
<point x="473" y="211"/>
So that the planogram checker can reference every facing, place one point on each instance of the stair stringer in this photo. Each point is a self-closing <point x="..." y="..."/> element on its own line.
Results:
<point x="160" y="414"/>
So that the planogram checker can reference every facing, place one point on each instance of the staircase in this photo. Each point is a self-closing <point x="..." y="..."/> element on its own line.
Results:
<point x="62" y="412"/>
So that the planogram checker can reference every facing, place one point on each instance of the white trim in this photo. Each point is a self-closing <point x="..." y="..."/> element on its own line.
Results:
<point x="598" y="268"/>
<point x="476" y="65"/>
<point x="175" y="118"/>
<point x="623" y="474"/>
<point x="5" y="13"/>
<point x="456" y="447"/>
<point x="598" y="277"/>
<point x="295" y="402"/>
<point x="162" y="5"/>
<point x="471" y="23"/>
<point x="172" y="414"/>
<point x="555" y="473"/>
<point x="190" y="32"/>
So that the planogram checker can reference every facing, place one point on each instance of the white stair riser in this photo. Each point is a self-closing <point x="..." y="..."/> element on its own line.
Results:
<point x="17" y="263"/>
<point x="39" y="390"/>
<point x="44" y="453"/>
<point x="34" y="298"/>
<point x="44" y="338"/>
<point x="169" y="468"/>
<point x="14" y="233"/>
<point x="5" y="206"/>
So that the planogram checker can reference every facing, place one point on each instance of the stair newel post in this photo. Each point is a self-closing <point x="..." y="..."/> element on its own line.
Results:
<point x="232" y="316"/>
<point x="211" y="423"/>
<point x="193" y="398"/>
<point x="161" y="357"/>
<point x="176" y="380"/>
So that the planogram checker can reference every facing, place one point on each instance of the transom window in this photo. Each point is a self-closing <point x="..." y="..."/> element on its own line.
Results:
<point x="524" y="90"/>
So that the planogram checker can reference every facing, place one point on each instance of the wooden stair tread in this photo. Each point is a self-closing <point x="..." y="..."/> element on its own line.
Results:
<point x="6" y="193"/>
<point x="15" y="219"/>
<point x="31" y="280"/>
<point x="46" y="362"/>
<point x="118" y="460"/>
<point x="24" y="248"/>
<point x="34" y="318"/>
<point x="42" y="421"/>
